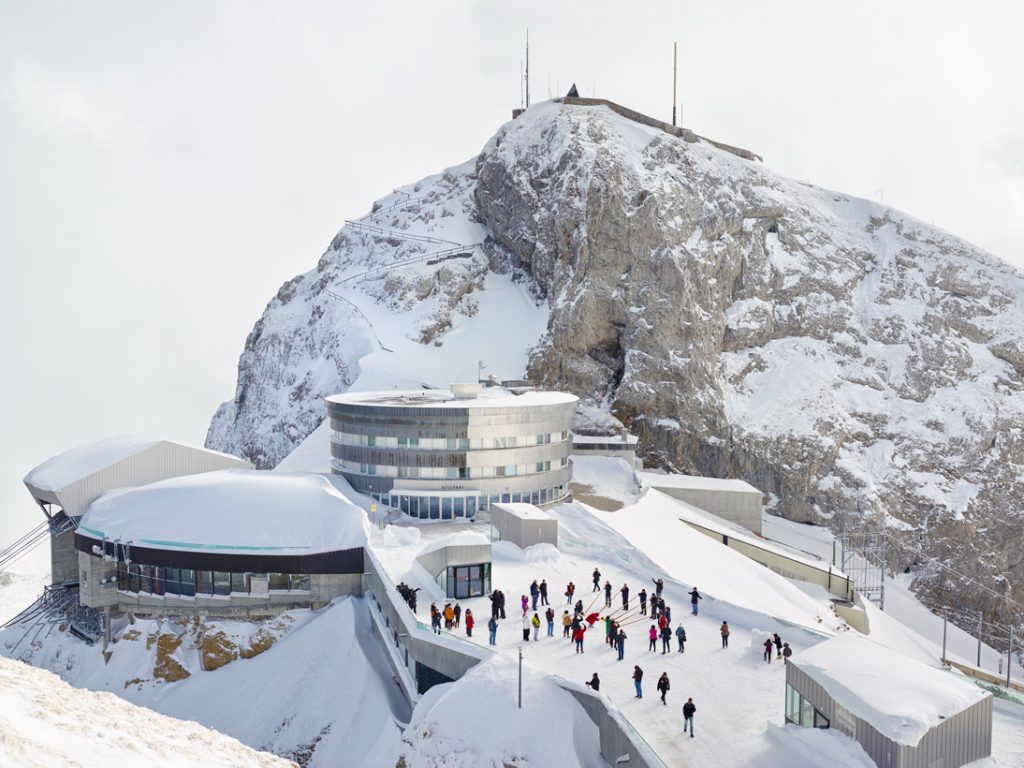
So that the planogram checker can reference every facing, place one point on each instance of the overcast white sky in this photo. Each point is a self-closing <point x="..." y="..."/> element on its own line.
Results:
<point x="164" y="167"/>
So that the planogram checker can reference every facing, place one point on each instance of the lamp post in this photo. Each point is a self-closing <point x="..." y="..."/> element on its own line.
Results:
<point x="520" y="677"/>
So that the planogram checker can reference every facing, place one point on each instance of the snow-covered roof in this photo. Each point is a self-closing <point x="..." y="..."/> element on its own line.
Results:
<point x="69" y="467"/>
<point x="901" y="697"/>
<point x="457" y="539"/>
<point x="311" y="455"/>
<point x="242" y="511"/>
<point x="526" y="511"/>
<point x="65" y="468"/>
<point x="489" y="397"/>
<point x="694" y="483"/>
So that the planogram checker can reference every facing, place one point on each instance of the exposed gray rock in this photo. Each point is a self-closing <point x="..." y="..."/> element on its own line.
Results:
<point x="846" y="358"/>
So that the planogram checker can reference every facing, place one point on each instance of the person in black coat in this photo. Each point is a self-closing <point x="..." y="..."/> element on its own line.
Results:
<point x="663" y="686"/>
<point x="597" y="581"/>
<point x="595" y="682"/>
<point x="689" y="708"/>
<point x="694" y="597"/>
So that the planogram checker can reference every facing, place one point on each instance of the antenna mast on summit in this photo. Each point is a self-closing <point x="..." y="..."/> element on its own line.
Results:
<point x="674" y="45"/>
<point x="527" y="68"/>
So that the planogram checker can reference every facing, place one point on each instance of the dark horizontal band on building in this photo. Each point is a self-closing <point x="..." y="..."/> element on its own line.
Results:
<point x="337" y="561"/>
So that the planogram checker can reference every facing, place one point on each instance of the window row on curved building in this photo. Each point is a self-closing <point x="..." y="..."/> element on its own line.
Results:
<point x="443" y="455"/>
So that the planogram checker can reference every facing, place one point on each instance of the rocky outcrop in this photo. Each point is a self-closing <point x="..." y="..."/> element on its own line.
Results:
<point x="860" y="366"/>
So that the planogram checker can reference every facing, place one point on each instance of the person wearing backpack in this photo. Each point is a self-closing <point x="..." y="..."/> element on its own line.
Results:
<point x="492" y="627"/>
<point x="725" y="634"/>
<point x="549" y="614"/>
<point x="535" y="623"/>
<point x="681" y="637"/>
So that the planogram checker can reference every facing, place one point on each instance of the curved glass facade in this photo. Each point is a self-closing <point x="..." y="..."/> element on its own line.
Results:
<point x="436" y="458"/>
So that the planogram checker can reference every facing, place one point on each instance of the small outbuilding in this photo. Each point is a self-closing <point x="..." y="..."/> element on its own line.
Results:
<point x="524" y="525"/>
<point x="734" y="500"/>
<point x="903" y="712"/>
<point x="460" y="563"/>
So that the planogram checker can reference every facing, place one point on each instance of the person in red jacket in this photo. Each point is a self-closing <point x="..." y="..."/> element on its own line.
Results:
<point x="577" y="637"/>
<point x="469" y="622"/>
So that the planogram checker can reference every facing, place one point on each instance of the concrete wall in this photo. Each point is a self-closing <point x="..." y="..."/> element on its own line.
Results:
<point x="618" y="738"/>
<point x="63" y="557"/>
<point x="523" y="532"/>
<point x="824" y="576"/>
<point x="97" y="581"/>
<point x="436" y="561"/>
<point x="739" y="507"/>
<point x="324" y="587"/>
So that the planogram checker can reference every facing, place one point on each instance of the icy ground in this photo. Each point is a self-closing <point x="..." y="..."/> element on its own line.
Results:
<point x="49" y="724"/>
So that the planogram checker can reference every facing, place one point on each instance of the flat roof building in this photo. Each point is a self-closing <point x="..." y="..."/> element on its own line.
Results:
<point x="903" y="712"/>
<point x="523" y="525"/>
<point x="444" y="455"/>
<point x="734" y="500"/>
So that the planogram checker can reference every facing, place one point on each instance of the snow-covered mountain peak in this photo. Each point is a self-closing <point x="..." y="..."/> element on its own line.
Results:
<point x="842" y="356"/>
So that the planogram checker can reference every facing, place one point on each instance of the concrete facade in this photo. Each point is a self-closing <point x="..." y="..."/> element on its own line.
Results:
<point x="823" y="574"/>
<point x="732" y="500"/>
<point x="956" y="741"/>
<point x="524" y="525"/>
<point x="434" y="455"/>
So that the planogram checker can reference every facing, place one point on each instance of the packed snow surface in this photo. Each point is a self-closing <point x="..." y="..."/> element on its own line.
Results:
<point x="49" y="724"/>
<point x="458" y="539"/>
<point x="902" y="698"/>
<point x="476" y="722"/>
<point x="231" y="510"/>
<point x="65" y="468"/>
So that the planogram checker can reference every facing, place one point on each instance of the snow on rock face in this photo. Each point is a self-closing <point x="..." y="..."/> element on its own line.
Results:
<point x="49" y="723"/>
<point x="835" y="353"/>
<point x="476" y="721"/>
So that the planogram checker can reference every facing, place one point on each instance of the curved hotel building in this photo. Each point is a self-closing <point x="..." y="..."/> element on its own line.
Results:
<point x="442" y="455"/>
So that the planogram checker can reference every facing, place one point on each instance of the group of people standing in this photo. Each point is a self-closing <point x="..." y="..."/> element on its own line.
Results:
<point x="782" y="650"/>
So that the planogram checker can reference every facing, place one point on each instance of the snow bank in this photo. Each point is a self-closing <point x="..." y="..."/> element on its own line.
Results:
<point x="74" y="464"/>
<point x="325" y="688"/>
<point x="476" y="722"/>
<point x="232" y="510"/>
<point x="49" y="723"/>
<point x="311" y="455"/>
<point x="901" y="697"/>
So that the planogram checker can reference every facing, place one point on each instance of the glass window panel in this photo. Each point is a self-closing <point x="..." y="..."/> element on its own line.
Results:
<point x="171" y="586"/>
<point x="204" y="582"/>
<point x="133" y="578"/>
<point x="806" y="713"/>
<point x="446" y="509"/>
<point x="435" y="507"/>
<point x="278" y="580"/>
<point x="506" y="498"/>
<point x="239" y="582"/>
<point x="403" y="504"/>
<point x="122" y="577"/>
<point x="300" y="581"/>
<point x="471" y="506"/>
<point x="188" y="581"/>
<point x="221" y="583"/>
<point x="459" y="507"/>
<point x="820" y="721"/>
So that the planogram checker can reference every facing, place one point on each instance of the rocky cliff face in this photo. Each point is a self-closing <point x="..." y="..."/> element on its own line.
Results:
<point x="848" y="359"/>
